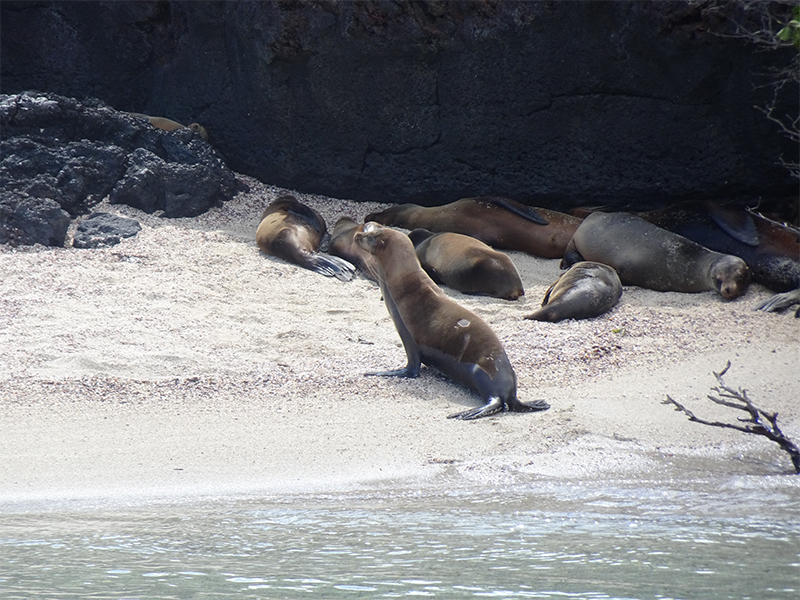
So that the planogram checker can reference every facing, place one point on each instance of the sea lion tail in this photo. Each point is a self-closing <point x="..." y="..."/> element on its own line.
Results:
<point x="332" y="266"/>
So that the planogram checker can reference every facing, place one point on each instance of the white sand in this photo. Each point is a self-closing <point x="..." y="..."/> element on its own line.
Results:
<point x="183" y="361"/>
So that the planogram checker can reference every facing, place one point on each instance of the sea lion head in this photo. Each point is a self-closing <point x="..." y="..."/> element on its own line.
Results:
<point x="372" y="238"/>
<point x="730" y="276"/>
<point x="199" y="130"/>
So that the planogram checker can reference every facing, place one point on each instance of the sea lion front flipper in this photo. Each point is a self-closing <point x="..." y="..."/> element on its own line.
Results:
<point x="739" y="225"/>
<point x="526" y="212"/>
<point x="781" y="301"/>
<point x="331" y="266"/>
<point x="409" y="345"/>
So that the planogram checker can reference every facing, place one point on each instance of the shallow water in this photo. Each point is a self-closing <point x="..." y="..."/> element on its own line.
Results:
<point x="738" y="538"/>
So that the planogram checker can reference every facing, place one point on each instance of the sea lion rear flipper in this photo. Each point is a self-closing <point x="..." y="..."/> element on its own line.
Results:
<point x="737" y="224"/>
<point x="331" y="266"/>
<point x="781" y="301"/>
<point x="495" y="405"/>
<point x="526" y="212"/>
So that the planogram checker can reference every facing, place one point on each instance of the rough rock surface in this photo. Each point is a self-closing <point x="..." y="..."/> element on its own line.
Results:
<point x="67" y="154"/>
<point x="27" y="220"/>
<point x="554" y="103"/>
<point x="104" y="229"/>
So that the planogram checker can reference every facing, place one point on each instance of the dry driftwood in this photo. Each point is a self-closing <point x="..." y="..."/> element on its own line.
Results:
<point x="760" y="422"/>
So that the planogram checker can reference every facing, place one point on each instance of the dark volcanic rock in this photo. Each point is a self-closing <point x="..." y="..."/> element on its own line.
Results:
<point x="103" y="229"/>
<point x="27" y="220"/>
<point x="75" y="153"/>
<point x="557" y="103"/>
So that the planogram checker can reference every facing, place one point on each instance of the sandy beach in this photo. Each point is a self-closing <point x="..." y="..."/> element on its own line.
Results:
<point x="183" y="361"/>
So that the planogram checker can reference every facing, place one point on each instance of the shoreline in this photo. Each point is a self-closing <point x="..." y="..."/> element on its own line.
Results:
<point x="184" y="362"/>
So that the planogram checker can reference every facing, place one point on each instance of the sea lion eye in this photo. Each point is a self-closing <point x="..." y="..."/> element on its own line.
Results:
<point x="462" y="323"/>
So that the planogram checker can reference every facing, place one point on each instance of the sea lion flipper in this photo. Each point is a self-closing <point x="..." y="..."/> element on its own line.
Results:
<point x="331" y="266"/>
<point x="780" y="302"/>
<point x="495" y="405"/>
<point x="407" y="371"/>
<point x="739" y="225"/>
<point x="526" y="212"/>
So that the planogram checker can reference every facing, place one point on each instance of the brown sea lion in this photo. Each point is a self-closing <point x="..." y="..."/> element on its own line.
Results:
<point x="170" y="125"/>
<point x="586" y="290"/>
<point x="770" y="249"/>
<point x="343" y="246"/>
<point x="292" y="231"/>
<point x="500" y="222"/>
<point x="648" y="256"/>
<point x="465" y="264"/>
<point x="439" y="332"/>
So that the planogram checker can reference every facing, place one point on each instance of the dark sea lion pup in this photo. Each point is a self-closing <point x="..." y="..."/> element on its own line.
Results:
<point x="588" y="289"/>
<point x="651" y="257"/>
<point x="465" y="264"/>
<point x="293" y="231"/>
<point x="437" y="331"/>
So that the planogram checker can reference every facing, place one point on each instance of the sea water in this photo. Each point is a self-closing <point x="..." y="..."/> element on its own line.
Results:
<point x="738" y="538"/>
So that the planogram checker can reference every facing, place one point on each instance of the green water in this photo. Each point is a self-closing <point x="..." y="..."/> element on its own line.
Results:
<point x="732" y="539"/>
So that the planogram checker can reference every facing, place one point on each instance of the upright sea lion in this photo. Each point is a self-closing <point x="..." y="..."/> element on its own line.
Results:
<point x="586" y="290"/>
<point x="343" y="245"/>
<point x="466" y="264"/>
<point x="500" y="222"/>
<point x="648" y="256"/>
<point x="170" y="125"/>
<point x="437" y="331"/>
<point x="292" y="231"/>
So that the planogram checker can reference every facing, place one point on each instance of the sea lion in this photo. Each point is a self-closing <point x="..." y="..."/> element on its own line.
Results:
<point x="770" y="249"/>
<point x="437" y="331"/>
<point x="648" y="256"/>
<point x="586" y="290"/>
<point x="343" y="246"/>
<point x="466" y="264"/>
<point x="500" y="222"/>
<point x="292" y="231"/>
<point x="170" y="125"/>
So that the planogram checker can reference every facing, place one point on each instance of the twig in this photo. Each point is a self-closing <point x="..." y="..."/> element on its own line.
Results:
<point x="760" y="422"/>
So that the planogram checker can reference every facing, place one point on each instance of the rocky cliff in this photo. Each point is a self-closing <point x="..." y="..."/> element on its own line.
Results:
<point x="553" y="103"/>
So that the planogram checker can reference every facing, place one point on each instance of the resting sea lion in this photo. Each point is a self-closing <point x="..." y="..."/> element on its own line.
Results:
<point x="586" y="290"/>
<point x="500" y="222"/>
<point x="292" y="231"/>
<point x="466" y="264"/>
<point x="170" y="125"/>
<point x="343" y="246"/>
<point x="437" y="331"/>
<point x="651" y="257"/>
<point x="770" y="249"/>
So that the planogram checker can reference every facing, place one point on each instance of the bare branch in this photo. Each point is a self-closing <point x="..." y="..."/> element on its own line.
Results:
<point x="760" y="422"/>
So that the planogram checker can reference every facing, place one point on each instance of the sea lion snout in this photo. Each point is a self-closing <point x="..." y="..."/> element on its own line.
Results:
<point x="731" y="277"/>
